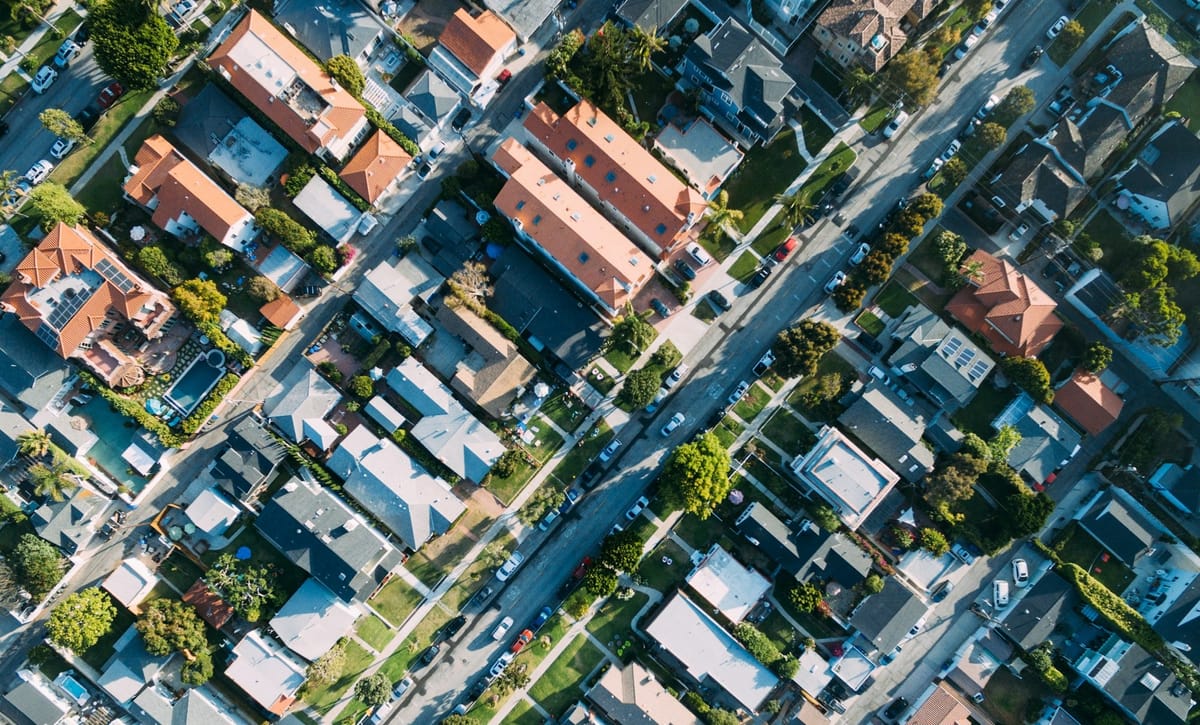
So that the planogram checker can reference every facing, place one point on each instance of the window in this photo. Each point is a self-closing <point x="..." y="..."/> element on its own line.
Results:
<point x="661" y="229"/>
<point x="520" y="205"/>
<point x="572" y="144"/>
<point x="610" y="176"/>
<point x="537" y="220"/>
<point x="589" y="160"/>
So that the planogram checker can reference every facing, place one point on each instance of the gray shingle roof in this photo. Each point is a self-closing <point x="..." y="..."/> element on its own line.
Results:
<point x="68" y="524"/>
<point x="806" y="553"/>
<point x="250" y="457"/>
<point x="1168" y="169"/>
<point x="1119" y="528"/>
<point x="1046" y="441"/>
<point x="302" y="394"/>
<point x="432" y="96"/>
<point x="649" y="14"/>
<point x="329" y="27"/>
<point x="1031" y="623"/>
<point x="925" y="340"/>
<point x="30" y="372"/>
<point x="1147" y="689"/>
<point x="885" y="618"/>
<point x="1152" y="67"/>
<point x="744" y="68"/>
<point x="881" y="420"/>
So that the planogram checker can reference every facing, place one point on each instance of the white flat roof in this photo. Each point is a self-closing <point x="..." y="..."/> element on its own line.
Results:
<point x="850" y="480"/>
<point x="266" y="670"/>
<point x="313" y="620"/>
<point x="328" y="209"/>
<point x="854" y="668"/>
<point x="212" y="512"/>
<point x="248" y="153"/>
<point x="726" y="584"/>
<point x="704" y="156"/>
<point x="130" y="582"/>
<point x="814" y="673"/>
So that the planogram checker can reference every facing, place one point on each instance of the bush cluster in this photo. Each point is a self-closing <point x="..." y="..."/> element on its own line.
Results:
<point x="379" y="121"/>
<point x="1123" y="618"/>
<point x="877" y="267"/>
<point x="343" y="188"/>
<point x="192" y="423"/>
<point x="298" y="238"/>
<point x="765" y="651"/>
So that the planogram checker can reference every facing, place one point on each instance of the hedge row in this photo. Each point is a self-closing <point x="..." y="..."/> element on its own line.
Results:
<point x="343" y="188"/>
<point x="213" y="332"/>
<point x="192" y="423"/>
<point x="380" y="122"/>
<point x="132" y="409"/>
<point x="1123" y="618"/>
<point x="765" y="651"/>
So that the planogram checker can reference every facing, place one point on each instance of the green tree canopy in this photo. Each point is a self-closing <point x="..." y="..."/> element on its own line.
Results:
<point x="197" y="670"/>
<point x="37" y="564"/>
<point x="323" y="259"/>
<point x="199" y="299"/>
<point x="696" y="476"/>
<point x="955" y="479"/>
<point x="799" y="349"/>
<point x="80" y="620"/>
<point x="154" y="262"/>
<point x="345" y="71"/>
<point x="600" y="581"/>
<point x="361" y="386"/>
<point x="34" y="443"/>
<point x="1002" y="444"/>
<point x="849" y="296"/>
<point x="934" y="541"/>
<point x="1019" y="101"/>
<point x="911" y="72"/>
<point x="640" y="387"/>
<point x="1097" y="357"/>
<point x="806" y="597"/>
<point x="60" y="123"/>
<point x="631" y="332"/>
<point x="1029" y="374"/>
<point x="374" y="690"/>
<point x="133" y="43"/>
<point x="299" y="239"/>
<point x="927" y="206"/>
<point x="328" y="667"/>
<point x="873" y="584"/>
<point x="54" y="481"/>
<point x="1156" y="315"/>
<point x="621" y="550"/>
<point x="990" y="136"/>
<point x="249" y="589"/>
<point x="262" y="289"/>
<point x="1072" y="35"/>
<point x="169" y="625"/>
<point x="52" y="203"/>
<point x="954" y="171"/>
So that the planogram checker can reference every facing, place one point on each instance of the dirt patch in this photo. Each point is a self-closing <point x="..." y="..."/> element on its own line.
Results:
<point x="426" y="21"/>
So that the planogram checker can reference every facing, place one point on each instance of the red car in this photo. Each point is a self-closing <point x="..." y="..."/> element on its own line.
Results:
<point x="110" y="94"/>
<point x="782" y="252"/>
<point x="504" y="77"/>
<point x="523" y="639"/>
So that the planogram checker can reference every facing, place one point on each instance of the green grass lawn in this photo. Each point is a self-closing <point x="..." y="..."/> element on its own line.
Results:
<point x="1012" y="699"/>
<point x="109" y="125"/>
<point x="704" y="311"/>
<point x="600" y="380"/>
<point x="772" y="237"/>
<point x="728" y="430"/>
<point x="1089" y="17"/>
<point x="375" y="632"/>
<point x="104" y="192"/>
<point x="752" y="403"/>
<point x="324" y="697"/>
<point x="574" y="462"/>
<point x="779" y="630"/>
<point x="1120" y="251"/>
<point x="869" y="322"/>
<point x="1076" y="545"/>
<point x="657" y="574"/>
<point x="926" y="258"/>
<point x="620" y="358"/>
<point x="436" y="558"/>
<point x="98" y="654"/>
<point x="789" y="432"/>
<point x="523" y="713"/>
<point x="1186" y="100"/>
<point x="876" y="116"/>
<point x="830" y="363"/>
<point x="836" y="163"/>
<point x="814" y="624"/>
<point x="560" y="686"/>
<point x="770" y="476"/>
<point x="816" y="132"/>
<point x="764" y="172"/>
<point x="180" y="571"/>
<point x="719" y="244"/>
<point x="977" y="417"/>
<point x="567" y="413"/>
<point x="612" y="622"/>
<point x="396" y="601"/>
<point x="547" y="441"/>
<point x="469" y="582"/>
<point x="894" y="299"/>
<point x="701" y="535"/>
<point x="744" y="268"/>
<point x="415" y="643"/>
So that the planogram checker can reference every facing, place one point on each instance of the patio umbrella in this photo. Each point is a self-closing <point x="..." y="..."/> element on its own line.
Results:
<point x="137" y="233"/>
<point x="189" y="528"/>
<point x="736" y="497"/>
<point x="242" y="554"/>
<point x="174" y="533"/>
<point x="375" y="373"/>
<point x="482" y="217"/>
<point x="541" y="390"/>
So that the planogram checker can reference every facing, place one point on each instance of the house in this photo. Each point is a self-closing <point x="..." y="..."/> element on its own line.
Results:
<point x="375" y="168"/>
<point x="290" y="88"/>
<point x="1180" y="624"/>
<point x="435" y="99"/>
<point x="1163" y="182"/>
<point x="883" y="619"/>
<point x="1153" y="70"/>
<point x="1089" y="402"/>
<point x="865" y="33"/>
<point x="1123" y="530"/>
<point x="299" y="404"/>
<point x="1179" y="485"/>
<point x="939" y="361"/>
<point x="572" y="237"/>
<point x="282" y="312"/>
<point x="12" y="425"/>
<point x="732" y="588"/>
<point x="701" y="153"/>
<point x="983" y="657"/>
<point x="807" y="553"/>
<point x="183" y="200"/>
<point x="266" y="671"/>
<point x="195" y="707"/>
<point x="410" y="122"/>
<point x="471" y="49"/>
<point x="313" y="620"/>
<point x="31" y="374"/>
<point x="1047" y="441"/>
<point x="251" y="455"/>
<point x="211" y="512"/>
<point x="1005" y="306"/>
<point x="641" y="196"/>
<point x="69" y="524"/>
<point x="941" y="707"/>
<point x="694" y="642"/>
<point x="329" y="210"/>
<point x="35" y="697"/>
<point x="813" y="674"/>
<point x="843" y="475"/>
<point x="494" y="369"/>
<point x="208" y="604"/>
<point x="451" y="236"/>
<point x="1043" y="605"/>
<point x="394" y="488"/>
<point x="75" y="296"/>
<point x="649" y="15"/>
<point x="383" y="413"/>
<point x="333" y="27"/>
<point x="524" y="16"/>
<point x="1035" y="181"/>
<point x="893" y="430"/>
<point x="631" y="695"/>
<point x="321" y="534"/>
<point x="130" y="583"/>
<point x="743" y="85"/>
<point x="388" y="292"/>
<point x="130" y="668"/>
<point x="1136" y="682"/>
<point x="215" y="128"/>
<point x="447" y="430"/>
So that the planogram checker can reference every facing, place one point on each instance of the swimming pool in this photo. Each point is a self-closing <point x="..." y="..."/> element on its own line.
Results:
<point x="196" y="381"/>
<point x="72" y="687"/>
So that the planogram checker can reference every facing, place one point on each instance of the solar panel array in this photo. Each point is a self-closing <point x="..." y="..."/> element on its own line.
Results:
<point x="114" y="275"/>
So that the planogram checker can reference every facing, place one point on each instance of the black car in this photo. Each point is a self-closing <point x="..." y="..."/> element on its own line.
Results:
<point x="719" y="301"/>
<point x="1032" y="59"/>
<point x="685" y="269"/>
<point x="896" y="708"/>
<point x="3" y="128"/>
<point x="660" y="307"/>
<point x="759" y="277"/>
<point x="477" y="690"/>
<point x="460" y="119"/>
<point x="430" y="653"/>
<point x="454" y="626"/>
<point x="309" y="291"/>
<point x="82" y="35"/>
<point x="87" y="118"/>
<point x="715" y="419"/>
<point x="591" y="475"/>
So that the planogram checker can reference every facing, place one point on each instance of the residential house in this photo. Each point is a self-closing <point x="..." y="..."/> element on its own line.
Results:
<point x="12" y="425"/>
<point x="321" y="534"/>
<point x="867" y="33"/>
<point x="130" y="669"/>
<point x="266" y="671"/>
<point x="313" y="620"/>
<point x="1179" y="485"/>
<point x="130" y="583"/>
<point x="1121" y="528"/>
<point x="939" y="361"/>
<point x="685" y="636"/>
<point x="494" y="370"/>
<point x="1153" y="69"/>
<point x="743" y="85"/>
<point x="374" y="170"/>
<point x="1163" y="182"/>
<point x="885" y="618"/>
<point x="941" y="706"/>
<point x="194" y="707"/>
<point x="732" y="588"/>
<point x="1047" y="441"/>
<point x="31" y="374"/>
<point x="394" y="488"/>
<point x="435" y="99"/>
<point x="983" y="657"/>
<point x="290" y="88"/>
<point x="212" y="512"/>
<point x="807" y="552"/>
<point x="208" y="604"/>
<point x="215" y="128"/>
<point x="447" y="430"/>
<point x="1040" y="611"/>
<point x="1035" y="181"/>
<point x="389" y="291"/>
<point x="71" y="523"/>
<point x="631" y="695"/>
<point x="701" y="154"/>
<point x="848" y="479"/>
<point x="299" y="404"/>
<point x="1136" y="682"/>
<point x="1005" y="306"/>
<point x="524" y="16"/>
<point x="35" y="697"/>
<point x="76" y="296"/>
<point x="329" y="210"/>
<point x="471" y="50"/>
<point x="282" y="312"/>
<point x="184" y="201"/>
<point x="251" y="455"/>
<point x="893" y="430"/>
<point x="333" y="27"/>
<point x="649" y="15"/>
<point x="640" y="195"/>
<point x="385" y="414"/>
<point x="1089" y="402"/>
<point x="1180" y="624"/>
<point x="567" y="233"/>
<point x="451" y="236"/>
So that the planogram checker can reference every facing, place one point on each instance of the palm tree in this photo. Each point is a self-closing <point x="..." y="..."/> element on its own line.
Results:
<point x="55" y="480"/>
<point x="34" y="443"/>
<point x="719" y="212"/>
<point x="796" y="208"/>
<point x="643" y="44"/>
<point x="971" y="272"/>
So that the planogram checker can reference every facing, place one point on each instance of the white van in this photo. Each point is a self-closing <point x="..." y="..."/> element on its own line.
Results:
<point x="1000" y="594"/>
<point x="699" y="255"/>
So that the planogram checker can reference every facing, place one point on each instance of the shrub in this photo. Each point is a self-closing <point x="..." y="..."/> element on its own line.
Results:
<point x="1123" y="618"/>
<point x="192" y="423"/>
<point x="849" y="296"/>
<point x="323" y="259"/>
<point x="757" y="643"/>
<point x="934" y="541"/>
<point x="166" y="111"/>
<point x="343" y="188"/>
<point x="361" y="386"/>
<point x="379" y="121"/>
<point x="345" y="71"/>
<point x="297" y="179"/>
<point x="507" y="464"/>
<point x="293" y="235"/>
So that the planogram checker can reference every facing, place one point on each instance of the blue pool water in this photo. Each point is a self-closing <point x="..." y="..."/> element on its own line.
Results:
<point x="74" y="689"/>
<point x="196" y="381"/>
<point x="114" y="432"/>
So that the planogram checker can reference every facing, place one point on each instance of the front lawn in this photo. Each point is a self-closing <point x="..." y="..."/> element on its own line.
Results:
<point x="789" y="432"/>
<point x="772" y="236"/>
<point x="728" y="430"/>
<point x="834" y="165"/>
<point x="894" y="299"/>
<point x="180" y="571"/>
<point x="324" y="697"/>
<point x="546" y="441"/>
<point x="1089" y="17"/>
<point x="396" y="601"/>
<point x="375" y="632"/>
<point x="765" y="172"/>
<point x="100" y="193"/>
<point x="720" y="247"/>
<point x="421" y="637"/>
<point x="869" y="322"/>
<point x="600" y="380"/>
<point x="816" y="132"/>
<point x="437" y="557"/>
<point x="701" y="535"/>
<point x="1075" y="545"/>
<point x="743" y="269"/>
<point x="752" y="403"/>
<point x="109" y="125"/>
<point x="469" y="582"/>
<point x="665" y="566"/>
<point x="613" y="621"/>
<point x="561" y="685"/>
<point x="582" y="454"/>
<point x="831" y="363"/>
<point x="876" y="116"/>
<point x="567" y="412"/>
<point x="977" y="416"/>
<point x="620" y="358"/>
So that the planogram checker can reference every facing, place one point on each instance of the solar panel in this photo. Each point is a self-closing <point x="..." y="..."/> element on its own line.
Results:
<point x="114" y="275"/>
<point x="977" y="370"/>
<point x="47" y="335"/>
<point x="964" y="357"/>
<point x="951" y="347"/>
<point x="66" y="309"/>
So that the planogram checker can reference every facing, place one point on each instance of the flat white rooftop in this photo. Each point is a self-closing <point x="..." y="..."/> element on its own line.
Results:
<point x="726" y="584"/>
<point x="845" y="476"/>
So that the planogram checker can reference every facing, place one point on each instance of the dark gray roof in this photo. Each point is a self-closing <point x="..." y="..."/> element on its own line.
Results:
<point x="806" y="553"/>
<point x="1181" y="621"/>
<point x="1046" y="440"/>
<point x="1152" y="67"/>
<point x="30" y="372"/>
<point x="250" y="457"/>
<point x="1147" y="689"/>
<point x="207" y="118"/>
<point x="743" y="67"/>
<point x="451" y="236"/>
<point x="302" y="395"/>
<point x="1035" y="616"/>
<point x="318" y="532"/>
<point x="1101" y="131"/>
<point x="925" y="341"/>
<point x="885" y="618"/>
<point x="34" y="704"/>
<point x="1034" y="174"/>
<point x="1119" y="528"/>
<point x="12" y="425"/>
<point x="68" y="524"/>
<point x="1168" y="169"/>
<point x="649" y="14"/>
<point x="772" y="536"/>
<point x="881" y="420"/>
<point x="330" y="27"/>
<point x="432" y="96"/>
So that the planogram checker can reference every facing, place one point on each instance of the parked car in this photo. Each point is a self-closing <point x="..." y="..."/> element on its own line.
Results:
<point x="738" y="392"/>
<point x="454" y="626"/>
<point x="934" y="167"/>
<point x="951" y="150"/>
<point x="1021" y="230"/>
<point x="180" y="11"/>
<point x="84" y="34"/>
<point x="504" y="77"/>
<point x="109" y="95"/>
<point x="1057" y="28"/>
<point x="541" y="618"/>
<point x="461" y="119"/>
<point x="499" y="665"/>
<point x="764" y="363"/>
<point x="609" y="451"/>
<point x="660" y="307"/>
<point x="887" y="658"/>
<point x="760" y="276"/>
<point x="1032" y="59"/>
<point x="896" y="708"/>
<point x="502" y="628"/>
<point x="783" y="250"/>
<point x="39" y="171"/>
<point x="87" y="119"/>
<point x="963" y="553"/>
<point x="685" y="269"/>
<point x="860" y="253"/>
<point x="895" y="124"/>
<point x="548" y="520"/>
<point x="524" y="638"/>
<point x="676" y="375"/>
<point x="719" y="300"/>
<point x="477" y="690"/>
<point x="675" y="421"/>
<point x="697" y="252"/>
<point x="637" y="508"/>
<point x="659" y="397"/>
<point x="509" y="567"/>
<point x="941" y="591"/>
<point x="878" y="373"/>
<point x="430" y="653"/>
<point x="62" y="147"/>
<point x="987" y="107"/>
<point x="986" y="21"/>
<point x="44" y="79"/>
<point x="402" y="687"/>
<point x="1000" y="593"/>
<point x="1020" y="573"/>
<point x="67" y="52"/>
<point x="965" y="47"/>
<point x="837" y="280"/>
<point x="1108" y="76"/>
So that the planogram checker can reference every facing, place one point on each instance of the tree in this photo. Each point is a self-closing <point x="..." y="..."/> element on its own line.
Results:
<point x="1040" y="657"/>
<point x="248" y="589"/>
<point x="361" y="386"/>
<point x="849" y="296"/>
<point x="976" y="9"/>
<point x="1017" y="103"/>
<point x="600" y="581"/>
<point x="696" y="476"/>
<point x="295" y="236"/>
<point x="934" y="541"/>
<point x="797" y="209"/>
<point x="323" y="259"/>
<point x="328" y="667"/>
<point x="199" y="300"/>
<point x="511" y="679"/>
<point x="1155" y="313"/>
<point x="640" y="387"/>
<point x="36" y="564"/>
<point x="34" y="443"/>
<point x="666" y="356"/>
<point x="858" y="84"/>
<point x="951" y="248"/>
<point x="262" y="289"/>
<point x="374" y="690"/>
<point x="52" y="203"/>
<point x="954" y="171"/>
<point x="927" y="206"/>
<point x="800" y="348"/>
<point x="644" y="44"/>
<point x="786" y="666"/>
<point x="1072" y="35"/>
<point x="721" y="716"/>
<point x="80" y="620"/>
<point x="345" y="71"/>
<point x="1097" y="357"/>
<point x="154" y="262"/>
<point x="218" y="257"/>
<point x="169" y="625"/>
<point x="806" y="597"/>
<point x="252" y="197"/>
<point x="473" y="282"/>
<point x="60" y="123"/>
<point x="825" y="516"/>
<point x="1002" y="444"/>
<point x="455" y="719"/>
<point x="1028" y="514"/>
<point x="1029" y="374"/>
<point x="54" y="481"/>
<point x="197" y="670"/>
<point x="912" y="73"/>
<point x="133" y="43"/>
<point x="873" y="584"/>
<point x="166" y="111"/>
<point x="954" y="481"/>
<point x="893" y="244"/>
<point x="875" y="268"/>
<point x="621" y="550"/>
<point x="719" y="212"/>
<point x="990" y="136"/>
<point x="631" y="332"/>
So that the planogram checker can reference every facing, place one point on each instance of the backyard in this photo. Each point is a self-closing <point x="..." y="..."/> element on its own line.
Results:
<point x="560" y="686"/>
<point x="775" y="167"/>
<point x="894" y="299"/>
<point x="789" y="432"/>
<point x="1012" y="699"/>
<point x="546" y="441"/>
<point x="1078" y="546"/>
<point x="978" y="415"/>
<point x="286" y="576"/>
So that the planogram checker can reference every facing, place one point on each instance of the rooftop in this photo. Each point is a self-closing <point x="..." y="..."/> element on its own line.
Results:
<point x="372" y="170"/>
<point x="728" y="585"/>
<point x="68" y="524"/>
<point x="476" y="41"/>
<point x="494" y="368"/>
<point x="331" y="27"/>
<point x="302" y="395"/>
<point x="208" y="604"/>
<point x="1006" y="307"/>
<point x="313" y="620"/>
<point x="942" y="707"/>
<point x="630" y="695"/>
<point x="745" y="69"/>
<point x="525" y="16"/>
<point x="216" y="128"/>
<point x="1119" y="527"/>
<point x="130" y="583"/>
<point x="1035" y="617"/>
<point x="266" y="671"/>
<point x="1089" y="402"/>
<point x="250" y="456"/>
<point x="885" y="618"/>
<point x="893" y="430"/>
<point x="211" y="512"/>
<point x="704" y="156"/>
<point x="851" y="482"/>
<point x="328" y="209"/>
<point x="1047" y="442"/>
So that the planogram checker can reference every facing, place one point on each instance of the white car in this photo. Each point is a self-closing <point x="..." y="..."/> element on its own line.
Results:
<point x="1020" y="573"/>
<point x="509" y="567"/>
<point x="1057" y="28"/>
<point x="860" y="254"/>
<point x="44" y="79"/>
<point x="181" y="10"/>
<point x="697" y="252"/>
<point x="987" y="107"/>
<point x="951" y="150"/>
<point x="1000" y="594"/>
<point x="609" y="451"/>
<point x="62" y="147"/>
<point x="39" y="171"/>
<point x="834" y="282"/>
<point x="1019" y="232"/>
<point x="895" y="124"/>
<point x="675" y="421"/>
<point x="637" y="508"/>
<point x="738" y="392"/>
<point x="964" y="47"/>
<point x="933" y="169"/>
<point x="676" y="375"/>
<point x="658" y="399"/>
<point x="502" y="628"/>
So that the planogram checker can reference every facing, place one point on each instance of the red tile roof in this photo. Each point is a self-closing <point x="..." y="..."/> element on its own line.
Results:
<point x="476" y="41"/>
<point x="375" y="166"/>
<point x="1005" y="306"/>
<point x="1089" y="402"/>
<point x="209" y="605"/>
<point x="941" y="708"/>
<point x="281" y="311"/>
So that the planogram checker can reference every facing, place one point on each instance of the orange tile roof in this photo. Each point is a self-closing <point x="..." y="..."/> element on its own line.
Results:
<point x="1005" y="306"/>
<point x="550" y="212"/>
<point x="476" y="41"/>
<point x="342" y="112"/>
<point x="209" y="605"/>
<point x="623" y="173"/>
<point x="281" y="311"/>
<point x="181" y="186"/>
<point x="942" y="707"/>
<point x="375" y="166"/>
<point x="1089" y="402"/>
